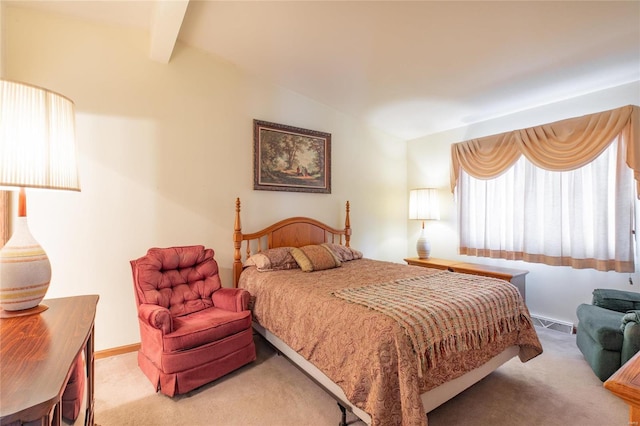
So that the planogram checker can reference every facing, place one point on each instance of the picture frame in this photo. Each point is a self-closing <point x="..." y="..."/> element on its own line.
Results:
<point x="292" y="159"/>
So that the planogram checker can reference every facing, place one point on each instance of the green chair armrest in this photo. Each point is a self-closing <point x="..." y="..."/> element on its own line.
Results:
<point x="631" y="341"/>
<point x="630" y="317"/>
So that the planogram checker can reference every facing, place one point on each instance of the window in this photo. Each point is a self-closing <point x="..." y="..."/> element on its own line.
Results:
<point x="581" y="218"/>
<point x="553" y="194"/>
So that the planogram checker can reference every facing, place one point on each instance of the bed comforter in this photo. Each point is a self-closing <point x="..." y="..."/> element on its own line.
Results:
<point x="367" y="352"/>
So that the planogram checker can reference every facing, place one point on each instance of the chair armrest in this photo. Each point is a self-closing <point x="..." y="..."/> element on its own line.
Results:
<point x="155" y="316"/>
<point x="630" y="317"/>
<point x="231" y="299"/>
<point x="616" y="300"/>
<point x="631" y="341"/>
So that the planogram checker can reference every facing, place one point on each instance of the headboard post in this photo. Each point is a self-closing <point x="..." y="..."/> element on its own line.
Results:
<point x="237" y="243"/>
<point x="347" y="227"/>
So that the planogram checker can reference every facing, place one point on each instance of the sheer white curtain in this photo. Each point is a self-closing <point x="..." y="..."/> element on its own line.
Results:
<point x="582" y="218"/>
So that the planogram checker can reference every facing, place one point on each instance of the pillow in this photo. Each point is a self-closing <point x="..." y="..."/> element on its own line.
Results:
<point x="343" y="253"/>
<point x="275" y="259"/>
<point x="315" y="258"/>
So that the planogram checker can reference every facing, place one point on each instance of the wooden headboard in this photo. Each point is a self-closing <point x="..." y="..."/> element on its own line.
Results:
<point x="291" y="232"/>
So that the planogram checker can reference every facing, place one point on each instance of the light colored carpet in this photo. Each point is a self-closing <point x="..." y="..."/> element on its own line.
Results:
<point x="556" y="388"/>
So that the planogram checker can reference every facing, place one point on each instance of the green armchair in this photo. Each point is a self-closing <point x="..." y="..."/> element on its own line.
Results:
<point x="608" y="333"/>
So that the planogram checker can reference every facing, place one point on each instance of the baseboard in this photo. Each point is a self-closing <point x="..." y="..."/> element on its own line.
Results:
<point x="553" y="324"/>
<point x="117" y="351"/>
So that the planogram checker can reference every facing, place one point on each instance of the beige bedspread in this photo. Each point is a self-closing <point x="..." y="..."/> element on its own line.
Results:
<point x="365" y="352"/>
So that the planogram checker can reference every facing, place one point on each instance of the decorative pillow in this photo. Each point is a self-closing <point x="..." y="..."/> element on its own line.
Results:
<point x="315" y="258"/>
<point x="274" y="259"/>
<point x="343" y="253"/>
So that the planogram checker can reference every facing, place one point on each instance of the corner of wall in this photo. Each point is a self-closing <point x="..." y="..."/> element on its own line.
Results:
<point x="5" y="196"/>
<point x="2" y="37"/>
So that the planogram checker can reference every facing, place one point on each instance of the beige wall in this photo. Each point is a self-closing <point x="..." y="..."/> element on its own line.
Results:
<point x="164" y="152"/>
<point x="552" y="292"/>
<point x="4" y="195"/>
<point x="2" y="38"/>
<point x="5" y="216"/>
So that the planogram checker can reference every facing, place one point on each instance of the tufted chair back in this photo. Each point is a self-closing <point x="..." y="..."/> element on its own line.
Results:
<point x="181" y="279"/>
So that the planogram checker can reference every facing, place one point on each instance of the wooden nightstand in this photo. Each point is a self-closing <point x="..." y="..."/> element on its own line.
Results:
<point x="514" y="276"/>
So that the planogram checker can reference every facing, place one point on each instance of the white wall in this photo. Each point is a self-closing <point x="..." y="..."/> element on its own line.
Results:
<point x="552" y="292"/>
<point x="164" y="152"/>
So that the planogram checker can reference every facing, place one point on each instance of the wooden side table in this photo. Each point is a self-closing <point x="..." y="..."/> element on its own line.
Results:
<point x="625" y="384"/>
<point x="514" y="276"/>
<point x="36" y="356"/>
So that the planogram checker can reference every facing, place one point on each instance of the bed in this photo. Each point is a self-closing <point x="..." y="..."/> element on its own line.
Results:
<point x="390" y="342"/>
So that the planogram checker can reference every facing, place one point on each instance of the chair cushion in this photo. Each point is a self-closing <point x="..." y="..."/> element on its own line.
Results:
<point x="180" y="279"/>
<point x="203" y="327"/>
<point x="603" y="325"/>
<point x="617" y="300"/>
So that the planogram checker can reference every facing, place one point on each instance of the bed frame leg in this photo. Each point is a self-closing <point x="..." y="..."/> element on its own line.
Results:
<point x="343" y="410"/>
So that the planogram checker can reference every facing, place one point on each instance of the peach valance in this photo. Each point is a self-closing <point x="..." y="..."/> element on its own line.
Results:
<point x="559" y="146"/>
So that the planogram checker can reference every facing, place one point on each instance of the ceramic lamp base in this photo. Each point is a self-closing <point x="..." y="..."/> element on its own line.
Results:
<point x="423" y="246"/>
<point x="25" y="271"/>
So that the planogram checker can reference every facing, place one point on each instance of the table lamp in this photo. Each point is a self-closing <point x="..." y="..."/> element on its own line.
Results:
<point x="37" y="150"/>
<point x="423" y="205"/>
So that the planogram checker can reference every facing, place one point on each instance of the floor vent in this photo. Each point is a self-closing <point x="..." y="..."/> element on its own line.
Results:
<point x="564" y="327"/>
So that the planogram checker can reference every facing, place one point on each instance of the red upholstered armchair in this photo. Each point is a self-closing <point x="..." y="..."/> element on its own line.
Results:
<point x="192" y="330"/>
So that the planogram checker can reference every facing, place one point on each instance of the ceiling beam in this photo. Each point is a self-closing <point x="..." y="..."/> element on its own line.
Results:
<point x="165" y="27"/>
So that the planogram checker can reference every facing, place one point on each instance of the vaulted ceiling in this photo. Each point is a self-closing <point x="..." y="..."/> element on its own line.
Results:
<point x="409" y="68"/>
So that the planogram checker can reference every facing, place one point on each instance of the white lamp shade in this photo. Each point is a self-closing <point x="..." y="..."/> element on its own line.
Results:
<point x="37" y="138"/>
<point x="423" y="204"/>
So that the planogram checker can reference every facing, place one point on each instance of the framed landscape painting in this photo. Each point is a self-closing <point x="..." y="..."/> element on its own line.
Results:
<point x="291" y="159"/>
